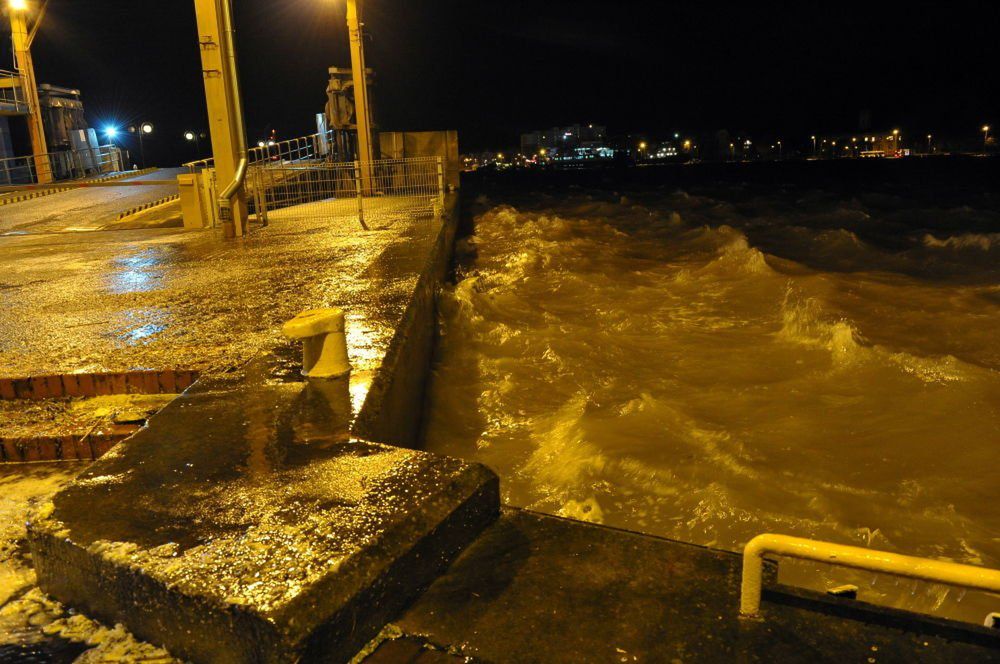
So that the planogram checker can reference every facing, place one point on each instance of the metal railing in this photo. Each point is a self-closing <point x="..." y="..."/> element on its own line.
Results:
<point x="936" y="571"/>
<point x="11" y="96"/>
<point x="398" y="188"/>
<point x="311" y="148"/>
<point x="64" y="165"/>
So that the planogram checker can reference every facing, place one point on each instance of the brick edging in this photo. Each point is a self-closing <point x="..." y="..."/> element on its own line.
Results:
<point x="37" y="388"/>
<point x="71" y="447"/>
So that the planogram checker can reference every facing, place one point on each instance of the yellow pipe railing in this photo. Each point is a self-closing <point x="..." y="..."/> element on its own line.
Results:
<point x="936" y="571"/>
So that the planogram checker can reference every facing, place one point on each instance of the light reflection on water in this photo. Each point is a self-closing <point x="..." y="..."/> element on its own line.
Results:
<point x="143" y="325"/>
<point x="140" y="272"/>
<point x="679" y="367"/>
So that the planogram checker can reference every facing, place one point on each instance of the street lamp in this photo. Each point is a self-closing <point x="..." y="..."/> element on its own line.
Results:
<point x="986" y="137"/>
<point x="814" y="144"/>
<point x="18" y="5"/>
<point x="191" y="136"/>
<point x="143" y="129"/>
<point x="929" y="137"/>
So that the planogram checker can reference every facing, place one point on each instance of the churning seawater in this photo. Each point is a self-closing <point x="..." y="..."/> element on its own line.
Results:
<point x="707" y="370"/>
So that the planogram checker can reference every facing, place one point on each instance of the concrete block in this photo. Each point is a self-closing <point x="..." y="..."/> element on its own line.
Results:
<point x="237" y="527"/>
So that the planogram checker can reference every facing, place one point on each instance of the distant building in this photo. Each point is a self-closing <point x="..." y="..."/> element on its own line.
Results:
<point x="576" y="142"/>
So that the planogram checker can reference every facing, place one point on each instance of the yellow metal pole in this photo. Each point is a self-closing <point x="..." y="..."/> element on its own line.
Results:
<point x="355" y="27"/>
<point x="225" y="112"/>
<point x="26" y="68"/>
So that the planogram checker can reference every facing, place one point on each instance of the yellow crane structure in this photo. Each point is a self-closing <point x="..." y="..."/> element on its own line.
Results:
<point x="18" y="10"/>
<point x="225" y="111"/>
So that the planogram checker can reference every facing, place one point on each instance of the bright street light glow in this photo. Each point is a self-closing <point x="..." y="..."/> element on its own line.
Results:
<point x="147" y="128"/>
<point x="18" y="5"/>
<point x="189" y="135"/>
<point x="111" y="132"/>
<point x="986" y="127"/>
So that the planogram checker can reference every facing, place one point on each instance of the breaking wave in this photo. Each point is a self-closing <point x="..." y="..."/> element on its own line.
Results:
<point x="669" y="363"/>
<point x="980" y="241"/>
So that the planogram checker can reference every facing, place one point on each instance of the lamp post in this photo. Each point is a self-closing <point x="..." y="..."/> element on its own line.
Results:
<point x="814" y="145"/>
<point x="895" y="141"/>
<point x="362" y="110"/>
<point x="929" y="137"/>
<point x="986" y="138"/>
<point x="26" y="68"/>
<point x="142" y="130"/>
<point x="193" y="137"/>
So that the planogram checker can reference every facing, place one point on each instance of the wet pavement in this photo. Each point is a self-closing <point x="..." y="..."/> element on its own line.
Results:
<point x="164" y="298"/>
<point x="83" y="210"/>
<point x="169" y="298"/>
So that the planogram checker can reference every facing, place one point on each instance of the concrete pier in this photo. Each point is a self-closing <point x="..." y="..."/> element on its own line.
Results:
<point x="536" y="588"/>
<point x="244" y="524"/>
<point x="252" y="519"/>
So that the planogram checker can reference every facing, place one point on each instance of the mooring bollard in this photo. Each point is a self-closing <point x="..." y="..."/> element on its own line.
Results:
<point x="324" y="342"/>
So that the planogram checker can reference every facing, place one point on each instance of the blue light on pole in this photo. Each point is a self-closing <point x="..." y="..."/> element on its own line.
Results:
<point x="111" y="133"/>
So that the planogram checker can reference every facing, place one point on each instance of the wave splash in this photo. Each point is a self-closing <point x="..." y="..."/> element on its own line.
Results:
<point x="662" y="365"/>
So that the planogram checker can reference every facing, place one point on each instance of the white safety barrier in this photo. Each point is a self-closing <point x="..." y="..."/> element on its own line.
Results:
<point x="936" y="571"/>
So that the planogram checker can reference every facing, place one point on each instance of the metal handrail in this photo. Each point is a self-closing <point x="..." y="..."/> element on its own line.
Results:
<point x="9" y="92"/>
<point x="936" y="571"/>
<point x="303" y="148"/>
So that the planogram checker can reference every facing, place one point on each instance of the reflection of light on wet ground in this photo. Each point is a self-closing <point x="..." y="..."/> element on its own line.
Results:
<point x="144" y="332"/>
<point x="147" y="324"/>
<point x="365" y="341"/>
<point x="361" y="382"/>
<point x="138" y="273"/>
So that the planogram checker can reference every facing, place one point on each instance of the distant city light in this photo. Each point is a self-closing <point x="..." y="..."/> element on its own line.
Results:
<point x="261" y="144"/>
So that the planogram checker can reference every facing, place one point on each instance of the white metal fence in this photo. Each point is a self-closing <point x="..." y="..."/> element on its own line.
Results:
<point x="395" y="189"/>
<point x="64" y="165"/>
<point x="312" y="148"/>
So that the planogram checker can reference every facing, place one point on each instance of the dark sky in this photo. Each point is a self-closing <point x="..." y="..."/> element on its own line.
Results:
<point x="491" y="68"/>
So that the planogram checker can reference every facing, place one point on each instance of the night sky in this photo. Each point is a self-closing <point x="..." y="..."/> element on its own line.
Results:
<point x="494" y="68"/>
